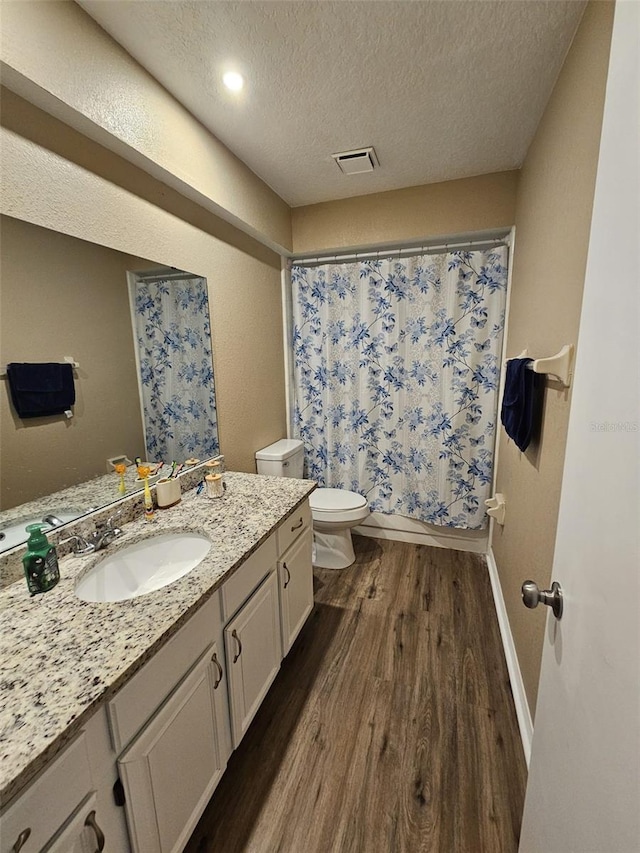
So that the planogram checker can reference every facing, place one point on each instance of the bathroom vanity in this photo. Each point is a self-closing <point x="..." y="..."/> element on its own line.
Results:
<point x="118" y="719"/>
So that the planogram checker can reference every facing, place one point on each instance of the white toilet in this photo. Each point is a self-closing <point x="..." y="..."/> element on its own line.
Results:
<point x="334" y="511"/>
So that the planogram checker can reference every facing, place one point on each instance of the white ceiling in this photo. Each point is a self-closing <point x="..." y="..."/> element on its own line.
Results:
<point x="442" y="89"/>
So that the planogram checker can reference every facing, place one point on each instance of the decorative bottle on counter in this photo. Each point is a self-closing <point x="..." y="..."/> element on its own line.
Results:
<point x="148" y="500"/>
<point x="40" y="562"/>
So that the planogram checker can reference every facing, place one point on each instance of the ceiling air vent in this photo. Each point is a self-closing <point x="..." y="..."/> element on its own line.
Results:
<point x="355" y="162"/>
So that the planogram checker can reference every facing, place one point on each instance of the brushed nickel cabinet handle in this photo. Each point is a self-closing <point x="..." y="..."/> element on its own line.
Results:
<point x="235" y="636"/>
<point x="297" y="526"/>
<point x="215" y="660"/>
<point x="21" y="839"/>
<point x="91" y="821"/>
<point x="288" y="579"/>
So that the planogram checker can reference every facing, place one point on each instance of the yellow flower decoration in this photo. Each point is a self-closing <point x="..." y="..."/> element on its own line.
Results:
<point x="143" y="471"/>
<point x="120" y="468"/>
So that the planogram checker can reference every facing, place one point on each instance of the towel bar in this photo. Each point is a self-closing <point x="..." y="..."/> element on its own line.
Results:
<point x="559" y="365"/>
<point x="68" y="358"/>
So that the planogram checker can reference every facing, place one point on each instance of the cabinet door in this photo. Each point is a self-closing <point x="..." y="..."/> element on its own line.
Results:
<point x="36" y="816"/>
<point x="254" y="651"/>
<point x="295" y="575"/>
<point x="173" y="766"/>
<point x="82" y="833"/>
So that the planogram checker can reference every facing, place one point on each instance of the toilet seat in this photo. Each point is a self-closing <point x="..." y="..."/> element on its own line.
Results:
<point x="337" y="505"/>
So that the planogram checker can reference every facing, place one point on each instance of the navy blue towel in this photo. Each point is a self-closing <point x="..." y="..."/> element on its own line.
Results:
<point x="41" y="389"/>
<point x="519" y="401"/>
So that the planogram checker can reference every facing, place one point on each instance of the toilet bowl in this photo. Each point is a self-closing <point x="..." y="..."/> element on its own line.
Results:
<point x="334" y="511"/>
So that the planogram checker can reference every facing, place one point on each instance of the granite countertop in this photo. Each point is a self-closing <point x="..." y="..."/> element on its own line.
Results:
<point x="61" y="657"/>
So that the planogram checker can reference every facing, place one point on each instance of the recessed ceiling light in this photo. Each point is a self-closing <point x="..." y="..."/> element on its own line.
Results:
<point x="232" y="80"/>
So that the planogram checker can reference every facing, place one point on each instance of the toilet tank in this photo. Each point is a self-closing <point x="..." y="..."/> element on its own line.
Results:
<point x="284" y="458"/>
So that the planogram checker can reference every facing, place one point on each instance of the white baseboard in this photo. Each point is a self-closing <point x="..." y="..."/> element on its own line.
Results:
<point x="515" y="676"/>
<point x="399" y="528"/>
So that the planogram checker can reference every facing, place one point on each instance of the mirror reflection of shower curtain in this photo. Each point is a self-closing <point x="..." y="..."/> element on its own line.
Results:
<point x="396" y="372"/>
<point x="173" y="340"/>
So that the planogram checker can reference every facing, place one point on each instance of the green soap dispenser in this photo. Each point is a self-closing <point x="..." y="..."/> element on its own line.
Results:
<point x="40" y="562"/>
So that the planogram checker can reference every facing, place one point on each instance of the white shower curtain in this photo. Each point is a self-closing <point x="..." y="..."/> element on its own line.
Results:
<point x="396" y="371"/>
<point x="176" y="368"/>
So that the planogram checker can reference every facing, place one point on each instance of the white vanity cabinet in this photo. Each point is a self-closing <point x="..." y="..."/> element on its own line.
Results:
<point x="170" y="726"/>
<point x="254" y="652"/>
<point x="49" y="803"/>
<point x="70" y="808"/>
<point x="160" y="745"/>
<point x="264" y="628"/>
<point x="252" y="643"/>
<point x="174" y="765"/>
<point x="295" y="574"/>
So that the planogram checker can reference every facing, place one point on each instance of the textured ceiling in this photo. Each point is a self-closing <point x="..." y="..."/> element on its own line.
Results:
<point x="442" y="89"/>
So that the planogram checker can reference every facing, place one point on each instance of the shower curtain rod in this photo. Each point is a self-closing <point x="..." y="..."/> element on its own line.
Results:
<point x="406" y="251"/>
<point x="160" y="276"/>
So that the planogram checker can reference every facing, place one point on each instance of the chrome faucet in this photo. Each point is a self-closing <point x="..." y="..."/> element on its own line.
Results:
<point x="81" y="546"/>
<point x="102" y="536"/>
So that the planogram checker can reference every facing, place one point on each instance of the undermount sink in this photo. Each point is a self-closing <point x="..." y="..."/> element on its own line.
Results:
<point x="143" y="567"/>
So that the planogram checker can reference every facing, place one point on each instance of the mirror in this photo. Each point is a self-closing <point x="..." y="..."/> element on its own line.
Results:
<point x="148" y="394"/>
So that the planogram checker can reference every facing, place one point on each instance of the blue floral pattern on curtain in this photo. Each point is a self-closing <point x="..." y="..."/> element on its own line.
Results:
<point x="396" y="373"/>
<point x="173" y="336"/>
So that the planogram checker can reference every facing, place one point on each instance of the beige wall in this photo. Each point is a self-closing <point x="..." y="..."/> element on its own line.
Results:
<point x="553" y="216"/>
<point x="42" y="186"/>
<point x="61" y="296"/>
<point x="57" y="57"/>
<point x="452" y="207"/>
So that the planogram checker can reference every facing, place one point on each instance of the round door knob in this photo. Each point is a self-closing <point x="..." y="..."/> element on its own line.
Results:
<point x="532" y="595"/>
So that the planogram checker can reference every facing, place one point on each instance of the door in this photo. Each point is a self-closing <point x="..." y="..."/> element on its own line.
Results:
<point x="173" y="766"/>
<point x="583" y="790"/>
<point x="254" y="651"/>
<point x="295" y="575"/>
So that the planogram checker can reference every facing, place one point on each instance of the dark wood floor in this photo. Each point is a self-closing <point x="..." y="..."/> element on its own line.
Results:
<point x="391" y="726"/>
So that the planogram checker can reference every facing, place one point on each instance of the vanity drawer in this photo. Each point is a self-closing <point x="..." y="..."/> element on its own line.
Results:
<point x="290" y="529"/>
<point x="251" y="573"/>
<point x="138" y="700"/>
<point x="48" y="803"/>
